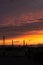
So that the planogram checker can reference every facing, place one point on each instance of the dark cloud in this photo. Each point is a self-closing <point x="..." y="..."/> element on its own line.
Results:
<point x="14" y="8"/>
<point x="19" y="6"/>
<point x="15" y="31"/>
<point x="40" y="19"/>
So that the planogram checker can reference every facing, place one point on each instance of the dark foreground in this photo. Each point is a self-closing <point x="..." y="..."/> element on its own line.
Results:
<point x="21" y="55"/>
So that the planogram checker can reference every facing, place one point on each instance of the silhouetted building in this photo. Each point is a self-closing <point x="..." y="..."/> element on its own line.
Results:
<point x="3" y="40"/>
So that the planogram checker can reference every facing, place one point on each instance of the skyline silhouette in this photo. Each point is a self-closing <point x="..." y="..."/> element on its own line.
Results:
<point x="15" y="42"/>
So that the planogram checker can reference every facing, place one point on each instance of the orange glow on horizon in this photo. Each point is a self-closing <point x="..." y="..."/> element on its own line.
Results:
<point x="31" y="38"/>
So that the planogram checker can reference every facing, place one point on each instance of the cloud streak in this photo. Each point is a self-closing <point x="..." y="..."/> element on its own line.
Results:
<point x="15" y="31"/>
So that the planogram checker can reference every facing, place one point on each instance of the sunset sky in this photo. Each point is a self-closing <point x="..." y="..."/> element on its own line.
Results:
<point x="21" y="20"/>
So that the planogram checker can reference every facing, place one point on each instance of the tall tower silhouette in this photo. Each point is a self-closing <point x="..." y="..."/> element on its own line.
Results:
<point x="12" y="42"/>
<point x="3" y="40"/>
<point x="24" y="42"/>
